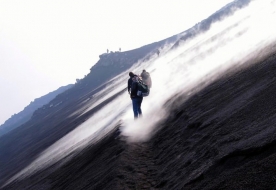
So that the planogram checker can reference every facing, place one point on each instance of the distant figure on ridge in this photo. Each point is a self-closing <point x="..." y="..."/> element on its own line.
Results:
<point x="158" y="52"/>
<point x="146" y="78"/>
<point x="133" y="90"/>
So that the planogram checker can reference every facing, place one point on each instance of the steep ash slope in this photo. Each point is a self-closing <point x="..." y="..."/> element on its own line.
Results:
<point x="51" y="123"/>
<point x="223" y="137"/>
<point x="61" y="115"/>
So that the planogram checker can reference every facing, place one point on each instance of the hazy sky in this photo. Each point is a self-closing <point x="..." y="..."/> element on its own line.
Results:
<point x="49" y="43"/>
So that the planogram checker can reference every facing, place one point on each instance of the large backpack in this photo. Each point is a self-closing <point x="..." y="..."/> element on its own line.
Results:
<point x="146" y="78"/>
<point x="143" y="89"/>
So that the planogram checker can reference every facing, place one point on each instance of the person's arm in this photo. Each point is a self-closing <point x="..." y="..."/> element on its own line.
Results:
<point x="129" y="85"/>
<point x="133" y="90"/>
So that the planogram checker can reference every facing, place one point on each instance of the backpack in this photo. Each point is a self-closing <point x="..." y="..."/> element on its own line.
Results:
<point x="143" y="89"/>
<point x="145" y="75"/>
<point x="146" y="79"/>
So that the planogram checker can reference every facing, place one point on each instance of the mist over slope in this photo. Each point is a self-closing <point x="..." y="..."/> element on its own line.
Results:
<point x="23" y="116"/>
<point x="222" y="137"/>
<point x="197" y="123"/>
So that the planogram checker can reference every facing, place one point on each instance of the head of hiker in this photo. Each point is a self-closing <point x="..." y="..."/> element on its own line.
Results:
<point x="131" y="74"/>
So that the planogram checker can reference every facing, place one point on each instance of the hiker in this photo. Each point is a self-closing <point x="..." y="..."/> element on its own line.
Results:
<point x="146" y="78"/>
<point x="132" y="88"/>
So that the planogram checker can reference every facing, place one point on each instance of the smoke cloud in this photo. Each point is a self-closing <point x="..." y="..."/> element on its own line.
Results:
<point x="226" y="46"/>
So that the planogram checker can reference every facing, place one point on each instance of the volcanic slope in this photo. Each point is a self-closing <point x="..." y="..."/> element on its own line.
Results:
<point x="222" y="137"/>
<point x="22" y="146"/>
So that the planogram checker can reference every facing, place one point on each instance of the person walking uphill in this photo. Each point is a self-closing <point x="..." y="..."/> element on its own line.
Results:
<point x="136" y="100"/>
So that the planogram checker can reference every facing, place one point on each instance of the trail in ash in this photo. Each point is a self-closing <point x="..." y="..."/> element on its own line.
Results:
<point x="227" y="45"/>
<point x="136" y="164"/>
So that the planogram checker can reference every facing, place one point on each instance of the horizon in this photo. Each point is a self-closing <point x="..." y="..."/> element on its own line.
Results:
<point x="42" y="52"/>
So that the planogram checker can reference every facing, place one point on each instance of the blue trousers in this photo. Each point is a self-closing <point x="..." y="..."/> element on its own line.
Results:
<point x="136" y="104"/>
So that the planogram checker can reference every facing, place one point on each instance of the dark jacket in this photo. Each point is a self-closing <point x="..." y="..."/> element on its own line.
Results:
<point x="129" y="83"/>
<point x="134" y="89"/>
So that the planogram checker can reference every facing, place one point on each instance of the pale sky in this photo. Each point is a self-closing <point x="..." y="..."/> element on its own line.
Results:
<point x="49" y="43"/>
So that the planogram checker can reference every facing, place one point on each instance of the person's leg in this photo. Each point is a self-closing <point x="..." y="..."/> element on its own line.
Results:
<point x="139" y="110"/>
<point x="135" y="107"/>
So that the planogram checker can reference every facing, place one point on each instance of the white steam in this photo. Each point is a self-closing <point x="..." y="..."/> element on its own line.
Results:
<point x="194" y="64"/>
<point x="197" y="62"/>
